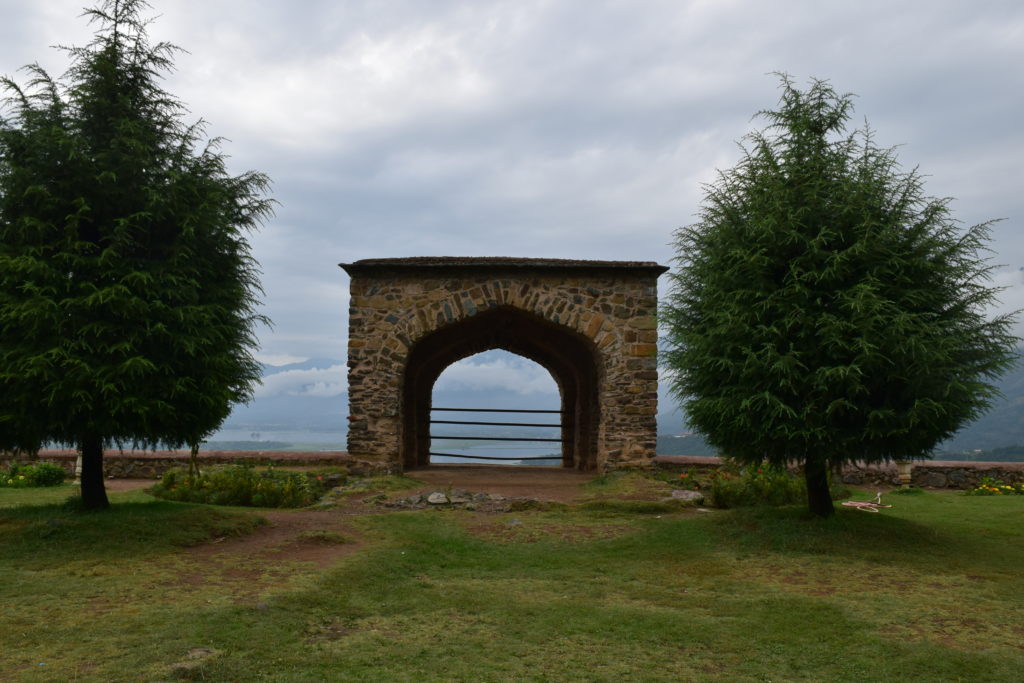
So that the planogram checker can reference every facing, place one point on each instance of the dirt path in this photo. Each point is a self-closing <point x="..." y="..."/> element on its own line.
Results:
<point x="539" y="483"/>
<point x="310" y="535"/>
<point x="128" y="484"/>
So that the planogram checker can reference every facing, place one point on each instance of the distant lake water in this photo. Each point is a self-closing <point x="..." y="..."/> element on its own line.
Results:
<point x="479" y="449"/>
<point x="296" y="440"/>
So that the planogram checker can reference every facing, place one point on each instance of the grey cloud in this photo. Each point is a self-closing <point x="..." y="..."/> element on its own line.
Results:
<point x="563" y="128"/>
<point x="496" y="371"/>
<point x="319" y="382"/>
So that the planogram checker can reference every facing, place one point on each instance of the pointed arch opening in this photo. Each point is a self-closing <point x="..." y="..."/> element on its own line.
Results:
<point x="570" y="358"/>
<point x="496" y="408"/>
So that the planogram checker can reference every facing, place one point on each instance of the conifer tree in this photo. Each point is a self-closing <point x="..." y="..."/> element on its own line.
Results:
<point x="128" y="293"/>
<point x="824" y="309"/>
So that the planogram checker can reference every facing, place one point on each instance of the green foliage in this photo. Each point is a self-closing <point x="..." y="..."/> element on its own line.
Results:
<point x="990" y="486"/>
<point x="32" y="474"/>
<point x="688" y="479"/>
<point x="238" y="485"/>
<point x="127" y="290"/>
<point x="824" y="308"/>
<point x="735" y="485"/>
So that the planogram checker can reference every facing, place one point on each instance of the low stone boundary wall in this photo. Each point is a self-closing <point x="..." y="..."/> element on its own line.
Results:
<point x="152" y="464"/>
<point x="930" y="474"/>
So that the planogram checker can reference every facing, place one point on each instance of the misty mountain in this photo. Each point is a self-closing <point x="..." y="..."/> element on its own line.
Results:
<point x="1002" y="427"/>
<point x="310" y="396"/>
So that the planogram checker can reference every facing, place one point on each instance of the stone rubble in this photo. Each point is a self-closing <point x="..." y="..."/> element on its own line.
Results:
<point x="693" y="497"/>
<point x="459" y="499"/>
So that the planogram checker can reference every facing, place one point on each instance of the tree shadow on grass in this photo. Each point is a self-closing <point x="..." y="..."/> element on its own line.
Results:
<point x="923" y="543"/>
<point x="44" y="535"/>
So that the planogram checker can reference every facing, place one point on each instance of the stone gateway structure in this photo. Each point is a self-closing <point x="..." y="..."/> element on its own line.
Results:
<point x="591" y="324"/>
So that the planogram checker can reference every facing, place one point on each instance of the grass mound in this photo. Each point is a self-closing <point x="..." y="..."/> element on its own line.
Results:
<point x="55" y="533"/>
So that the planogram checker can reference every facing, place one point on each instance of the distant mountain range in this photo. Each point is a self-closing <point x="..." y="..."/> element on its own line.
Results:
<point x="998" y="434"/>
<point x="1001" y="426"/>
<point x="309" y="398"/>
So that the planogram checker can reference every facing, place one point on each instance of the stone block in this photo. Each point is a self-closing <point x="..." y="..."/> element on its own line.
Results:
<point x="930" y="479"/>
<point x="643" y="349"/>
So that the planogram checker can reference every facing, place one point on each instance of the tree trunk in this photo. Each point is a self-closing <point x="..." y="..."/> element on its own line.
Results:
<point x="819" y="498"/>
<point x="94" y="492"/>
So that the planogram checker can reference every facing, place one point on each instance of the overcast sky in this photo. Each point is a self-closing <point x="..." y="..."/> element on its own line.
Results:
<point x="551" y="129"/>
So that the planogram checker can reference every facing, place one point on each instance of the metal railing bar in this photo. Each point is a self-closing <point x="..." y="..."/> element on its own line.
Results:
<point x="499" y="410"/>
<point x="495" y="424"/>
<point x="490" y="438"/>
<point x="492" y="457"/>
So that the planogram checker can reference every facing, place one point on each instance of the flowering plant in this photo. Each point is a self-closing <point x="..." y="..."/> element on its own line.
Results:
<point x="990" y="486"/>
<point x="237" y="485"/>
<point x="34" y="474"/>
<point x="689" y="482"/>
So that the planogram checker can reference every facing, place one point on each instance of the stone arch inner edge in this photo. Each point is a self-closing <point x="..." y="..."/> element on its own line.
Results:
<point x="481" y="399"/>
<point x="571" y="358"/>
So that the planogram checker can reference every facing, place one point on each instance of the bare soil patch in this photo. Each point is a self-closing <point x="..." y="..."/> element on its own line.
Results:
<point x="511" y="529"/>
<point x="304" y="535"/>
<point x="243" y="566"/>
<point x="286" y="536"/>
<point x="554" y="484"/>
<point x="117" y="485"/>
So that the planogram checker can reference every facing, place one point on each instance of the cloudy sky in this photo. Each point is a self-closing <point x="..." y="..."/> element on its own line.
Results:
<point x="556" y="128"/>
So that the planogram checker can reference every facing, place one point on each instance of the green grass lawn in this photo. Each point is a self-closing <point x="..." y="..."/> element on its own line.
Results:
<point x="930" y="590"/>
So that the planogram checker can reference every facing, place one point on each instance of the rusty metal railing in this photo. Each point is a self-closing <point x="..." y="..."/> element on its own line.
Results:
<point x="498" y="438"/>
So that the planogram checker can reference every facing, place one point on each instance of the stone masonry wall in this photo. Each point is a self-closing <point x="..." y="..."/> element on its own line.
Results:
<point x="397" y="302"/>
<point x="153" y="464"/>
<point x="928" y="474"/>
<point x="931" y="474"/>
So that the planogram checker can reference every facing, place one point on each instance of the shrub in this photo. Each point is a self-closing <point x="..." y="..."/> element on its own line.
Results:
<point x="688" y="481"/>
<point x="734" y="487"/>
<point x="33" y="474"/>
<point x="989" y="486"/>
<point x="238" y="485"/>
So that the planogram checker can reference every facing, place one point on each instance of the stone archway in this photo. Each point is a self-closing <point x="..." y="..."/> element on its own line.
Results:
<point x="571" y="358"/>
<point x="589" y="323"/>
